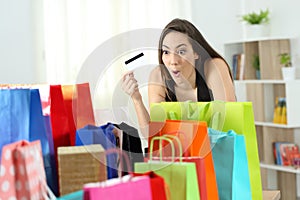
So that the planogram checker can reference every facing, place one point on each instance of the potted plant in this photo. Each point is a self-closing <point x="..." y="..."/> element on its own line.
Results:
<point x="256" y="23"/>
<point x="288" y="71"/>
<point x="256" y="66"/>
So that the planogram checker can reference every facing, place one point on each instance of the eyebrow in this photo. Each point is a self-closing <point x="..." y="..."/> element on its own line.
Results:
<point x="180" y="45"/>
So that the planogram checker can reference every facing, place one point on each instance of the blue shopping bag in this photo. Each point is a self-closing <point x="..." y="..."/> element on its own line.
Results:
<point x="103" y="135"/>
<point x="21" y="118"/>
<point x="231" y="165"/>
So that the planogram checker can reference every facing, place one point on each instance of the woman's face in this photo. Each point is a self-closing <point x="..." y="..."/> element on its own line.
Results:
<point x="178" y="56"/>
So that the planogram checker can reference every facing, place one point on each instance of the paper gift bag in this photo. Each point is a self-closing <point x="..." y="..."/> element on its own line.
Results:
<point x="22" y="171"/>
<point x="231" y="165"/>
<point x="181" y="177"/>
<point x="213" y="112"/>
<point x="193" y="137"/>
<point x="59" y="118"/>
<point x="237" y="116"/>
<point x="103" y="135"/>
<point x="131" y="143"/>
<point x="78" y="195"/>
<point x="126" y="187"/>
<point x="78" y="103"/>
<point x="78" y="165"/>
<point x="159" y="189"/>
<point x="21" y="118"/>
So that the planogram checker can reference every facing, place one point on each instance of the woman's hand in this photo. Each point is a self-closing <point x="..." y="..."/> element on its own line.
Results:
<point x="130" y="85"/>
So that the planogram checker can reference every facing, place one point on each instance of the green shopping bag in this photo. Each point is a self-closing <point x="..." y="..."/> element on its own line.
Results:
<point x="223" y="116"/>
<point x="213" y="112"/>
<point x="181" y="177"/>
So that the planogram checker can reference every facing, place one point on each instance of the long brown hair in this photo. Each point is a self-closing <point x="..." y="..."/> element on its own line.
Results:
<point x="199" y="44"/>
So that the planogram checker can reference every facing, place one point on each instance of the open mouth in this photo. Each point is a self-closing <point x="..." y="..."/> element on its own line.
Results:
<point x="176" y="73"/>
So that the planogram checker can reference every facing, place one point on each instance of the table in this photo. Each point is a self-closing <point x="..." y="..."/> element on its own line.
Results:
<point x="271" y="194"/>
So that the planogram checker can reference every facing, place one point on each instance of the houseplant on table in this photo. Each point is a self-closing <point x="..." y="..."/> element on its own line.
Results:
<point x="257" y="23"/>
<point x="288" y="71"/>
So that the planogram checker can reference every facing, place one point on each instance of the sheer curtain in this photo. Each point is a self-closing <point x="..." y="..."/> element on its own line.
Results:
<point x="75" y="28"/>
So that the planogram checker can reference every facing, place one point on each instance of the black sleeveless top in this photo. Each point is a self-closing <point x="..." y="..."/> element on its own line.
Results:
<point x="203" y="92"/>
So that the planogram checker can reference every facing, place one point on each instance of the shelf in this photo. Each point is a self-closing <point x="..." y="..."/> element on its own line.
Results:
<point x="271" y="124"/>
<point x="258" y="39"/>
<point x="289" y="169"/>
<point x="266" y="81"/>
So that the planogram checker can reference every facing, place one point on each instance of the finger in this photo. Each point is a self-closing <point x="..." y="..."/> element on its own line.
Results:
<point x="129" y="73"/>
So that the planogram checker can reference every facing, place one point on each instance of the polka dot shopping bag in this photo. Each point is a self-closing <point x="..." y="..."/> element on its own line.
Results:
<point x="22" y="174"/>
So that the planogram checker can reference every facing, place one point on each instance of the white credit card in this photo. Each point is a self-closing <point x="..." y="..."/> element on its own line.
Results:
<point x="135" y="62"/>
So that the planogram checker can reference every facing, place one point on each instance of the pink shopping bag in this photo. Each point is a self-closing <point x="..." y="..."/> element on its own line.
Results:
<point x="22" y="171"/>
<point x="127" y="187"/>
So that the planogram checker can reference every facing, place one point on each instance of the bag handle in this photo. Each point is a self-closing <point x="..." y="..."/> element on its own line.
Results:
<point x="161" y="138"/>
<point x="167" y="138"/>
<point x="216" y="135"/>
<point x="178" y="141"/>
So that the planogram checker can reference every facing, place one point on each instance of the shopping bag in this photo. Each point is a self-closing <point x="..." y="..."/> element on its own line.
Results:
<point x="211" y="112"/>
<point x="21" y="118"/>
<point x="79" y="108"/>
<point x="131" y="143"/>
<point x="22" y="171"/>
<point x="231" y="165"/>
<point x="78" y="195"/>
<point x="126" y="187"/>
<point x="159" y="189"/>
<point x="237" y="116"/>
<point x="59" y="118"/>
<point x="103" y="135"/>
<point x="181" y="177"/>
<point x="193" y="137"/>
<point x="78" y="165"/>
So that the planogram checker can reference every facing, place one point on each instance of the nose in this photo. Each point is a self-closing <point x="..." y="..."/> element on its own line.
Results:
<point x="174" y="59"/>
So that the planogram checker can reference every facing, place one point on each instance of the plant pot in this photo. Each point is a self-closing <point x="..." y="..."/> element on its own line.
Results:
<point x="257" y="30"/>
<point x="257" y="74"/>
<point x="288" y="73"/>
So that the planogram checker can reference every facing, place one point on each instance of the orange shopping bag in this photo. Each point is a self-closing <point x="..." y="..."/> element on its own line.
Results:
<point x="194" y="138"/>
<point x="79" y="108"/>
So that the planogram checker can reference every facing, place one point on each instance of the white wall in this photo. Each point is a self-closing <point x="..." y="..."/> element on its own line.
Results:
<point x="21" y="44"/>
<point x="21" y="31"/>
<point x="218" y="21"/>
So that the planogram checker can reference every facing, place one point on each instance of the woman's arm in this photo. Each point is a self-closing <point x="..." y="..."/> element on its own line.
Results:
<point x="156" y="94"/>
<point x="218" y="79"/>
<point x="130" y="86"/>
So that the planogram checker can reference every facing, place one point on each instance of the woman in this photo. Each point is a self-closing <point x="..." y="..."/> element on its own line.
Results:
<point x="190" y="69"/>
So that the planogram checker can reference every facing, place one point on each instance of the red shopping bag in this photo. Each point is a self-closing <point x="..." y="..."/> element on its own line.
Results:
<point x="22" y="171"/>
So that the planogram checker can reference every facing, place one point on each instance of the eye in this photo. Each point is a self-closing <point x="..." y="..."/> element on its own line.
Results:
<point x="165" y="52"/>
<point x="181" y="52"/>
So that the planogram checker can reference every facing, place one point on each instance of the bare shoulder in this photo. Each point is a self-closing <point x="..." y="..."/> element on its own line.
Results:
<point x="155" y="75"/>
<point x="215" y="63"/>
<point x="156" y="86"/>
<point x="218" y="78"/>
